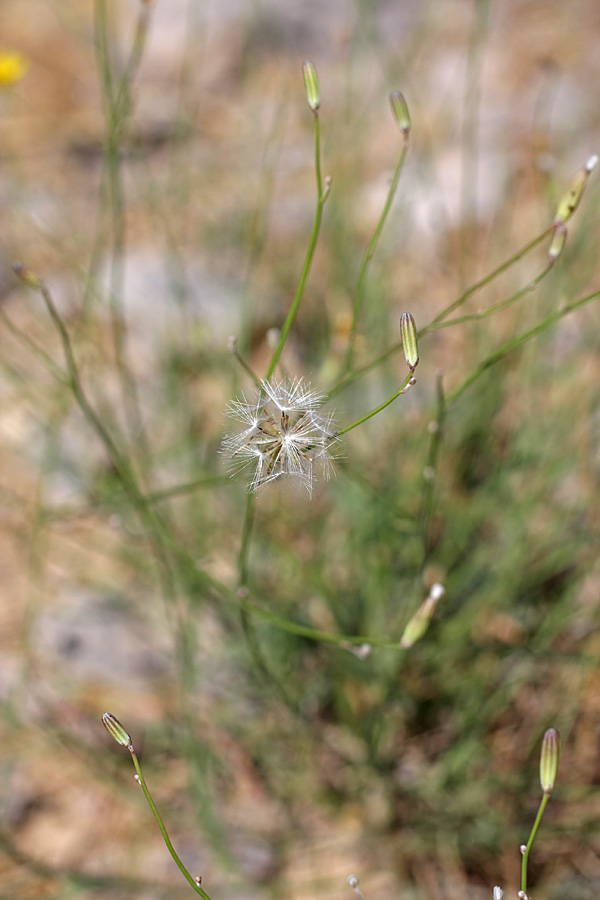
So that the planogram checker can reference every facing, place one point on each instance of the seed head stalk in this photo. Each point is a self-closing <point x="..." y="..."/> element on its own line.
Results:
<point x="406" y="384"/>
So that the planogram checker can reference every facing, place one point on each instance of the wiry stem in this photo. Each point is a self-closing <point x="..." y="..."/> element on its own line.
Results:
<point x="406" y="384"/>
<point x="142" y="782"/>
<point x="322" y="194"/>
<point x="368" y="256"/>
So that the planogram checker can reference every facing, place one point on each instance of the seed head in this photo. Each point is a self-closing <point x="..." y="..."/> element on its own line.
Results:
<point x="282" y="434"/>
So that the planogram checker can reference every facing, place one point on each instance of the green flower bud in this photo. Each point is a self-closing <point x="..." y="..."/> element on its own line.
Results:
<point x="419" y="623"/>
<point x="116" y="730"/>
<point x="570" y="199"/>
<point x="400" y="112"/>
<point x="311" y="85"/>
<point x="558" y="242"/>
<point x="408" y="332"/>
<point x="549" y="760"/>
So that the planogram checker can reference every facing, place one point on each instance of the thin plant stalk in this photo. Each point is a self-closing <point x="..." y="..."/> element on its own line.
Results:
<point x="119" y="460"/>
<point x="440" y="320"/>
<point x="430" y="468"/>
<point x="368" y="256"/>
<point x="529" y="845"/>
<point x="117" y="109"/>
<point x="322" y="194"/>
<point x="496" y="307"/>
<point x="516" y="342"/>
<point x="142" y="781"/>
<point x="408" y="382"/>
<point x="487" y="279"/>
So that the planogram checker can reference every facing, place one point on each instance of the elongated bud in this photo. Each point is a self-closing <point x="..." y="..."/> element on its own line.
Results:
<point x="549" y="760"/>
<point x="311" y="85"/>
<point x="116" y="730"/>
<point x="400" y="112"/>
<point x="497" y="893"/>
<point x="408" y="332"/>
<point x="419" y="623"/>
<point x="558" y="242"/>
<point x="570" y="199"/>
<point x="27" y="276"/>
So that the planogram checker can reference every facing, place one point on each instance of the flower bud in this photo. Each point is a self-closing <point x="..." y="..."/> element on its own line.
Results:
<point x="116" y="730"/>
<point x="570" y="199"/>
<point x="419" y="623"/>
<point x="408" y="332"/>
<point x="549" y="760"/>
<point x="558" y="242"/>
<point x="498" y="893"/>
<point x="27" y="276"/>
<point x="311" y="85"/>
<point x="400" y="112"/>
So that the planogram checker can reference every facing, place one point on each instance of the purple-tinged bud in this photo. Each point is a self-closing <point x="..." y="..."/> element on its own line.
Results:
<point x="558" y="242"/>
<point x="408" y="332"/>
<point x="27" y="276"/>
<point x="549" y="760"/>
<point x="400" y="112"/>
<point x="116" y="730"/>
<point x="311" y="85"/>
<point x="572" y="196"/>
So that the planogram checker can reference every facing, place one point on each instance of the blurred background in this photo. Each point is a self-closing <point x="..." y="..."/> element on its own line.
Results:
<point x="157" y="170"/>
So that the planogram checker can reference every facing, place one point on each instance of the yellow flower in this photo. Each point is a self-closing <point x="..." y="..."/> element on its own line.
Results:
<point x="13" y="67"/>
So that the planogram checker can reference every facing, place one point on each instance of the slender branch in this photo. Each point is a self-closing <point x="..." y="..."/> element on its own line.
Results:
<point x="142" y="781"/>
<point x="516" y="342"/>
<point x="406" y="384"/>
<point x="322" y="194"/>
<point x="483" y="282"/>
<point x="534" y="830"/>
<point x="369" y="253"/>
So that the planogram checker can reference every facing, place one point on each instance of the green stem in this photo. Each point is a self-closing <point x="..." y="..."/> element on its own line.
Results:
<point x="321" y="198"/>
<point x="529" y="844"/>
<point x="119" y="461"/>
<point x="438" y="322"/>
<point x="369" y="253"/>
<point x="245" y="542"/>
<point x="117" y="110"/>
<point x="192" y="881"/>
<point x="240" y="359"/>
<point x="516" y="342"/>
<point x="491" y="310"/>
<point x="404" y="387"/>
<point x="507" y="264"/>
<point x="430" y="468"/>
